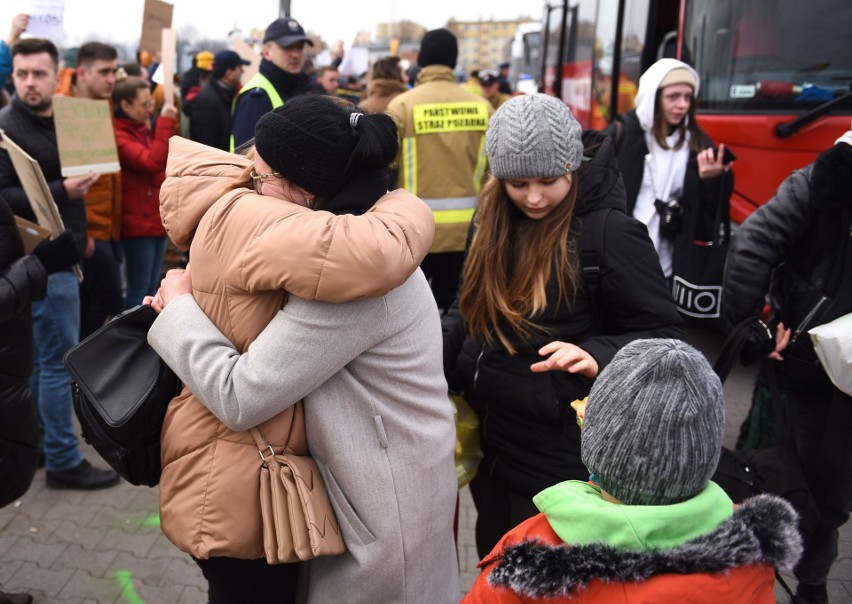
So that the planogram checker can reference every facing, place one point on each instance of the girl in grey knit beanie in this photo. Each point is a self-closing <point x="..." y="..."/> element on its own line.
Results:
<point x="556" y="279"/>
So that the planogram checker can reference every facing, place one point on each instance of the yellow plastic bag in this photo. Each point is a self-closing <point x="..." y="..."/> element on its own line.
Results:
<point x="468" y="452"/>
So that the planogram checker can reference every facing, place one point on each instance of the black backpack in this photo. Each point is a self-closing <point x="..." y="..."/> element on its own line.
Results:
<point x="121" y="391"/>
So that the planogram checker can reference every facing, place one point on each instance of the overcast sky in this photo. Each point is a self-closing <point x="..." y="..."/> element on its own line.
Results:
<point x="121" y="20"/>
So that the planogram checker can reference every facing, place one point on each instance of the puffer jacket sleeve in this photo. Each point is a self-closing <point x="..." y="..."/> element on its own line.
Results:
<point x="761" y="244"/>
<point x="321" y="256"/>
<point x="636" y="302"/>
<point x="21" y="282"/>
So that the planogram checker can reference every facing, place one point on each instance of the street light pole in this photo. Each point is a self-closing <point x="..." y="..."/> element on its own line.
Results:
<point x="283" y="8"/>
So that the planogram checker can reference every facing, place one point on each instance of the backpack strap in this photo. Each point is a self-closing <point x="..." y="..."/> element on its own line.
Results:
<point x="591" y="254"/>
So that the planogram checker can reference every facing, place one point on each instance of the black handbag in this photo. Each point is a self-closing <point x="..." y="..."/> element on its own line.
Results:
<point x="698" y="265"/>
<point x="121" y="391"/>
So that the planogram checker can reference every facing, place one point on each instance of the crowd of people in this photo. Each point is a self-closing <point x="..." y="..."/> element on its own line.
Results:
<point x="519" y="262"/>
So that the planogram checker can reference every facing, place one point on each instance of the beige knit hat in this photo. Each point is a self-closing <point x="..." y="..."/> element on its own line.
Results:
<point x="678" y="76"/>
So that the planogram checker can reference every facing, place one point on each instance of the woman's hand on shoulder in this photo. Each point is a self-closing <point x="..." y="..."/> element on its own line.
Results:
<point x="562" y="356"/>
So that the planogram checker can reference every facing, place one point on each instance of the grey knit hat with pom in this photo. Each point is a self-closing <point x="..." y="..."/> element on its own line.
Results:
<point x="653" y="427"/>
<point x="533" y="136"/>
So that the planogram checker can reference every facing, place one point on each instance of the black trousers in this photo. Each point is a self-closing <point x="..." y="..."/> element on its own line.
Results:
<point x="235" y="581"/>
<point x="498" y="510"/>
<point x="444" y="273"/>
<point x="819" y="418"/>
<point x="100" y="291"/>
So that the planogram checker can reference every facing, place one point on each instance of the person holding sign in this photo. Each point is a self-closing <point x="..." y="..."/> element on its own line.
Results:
<point x="100" y="292"/>
<point x="28" y="121"/>
<point x="143" y="157"/>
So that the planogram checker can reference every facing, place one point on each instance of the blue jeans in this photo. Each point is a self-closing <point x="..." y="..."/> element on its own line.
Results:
<point x="144" y="257"/>
<point x="56" y="328"/>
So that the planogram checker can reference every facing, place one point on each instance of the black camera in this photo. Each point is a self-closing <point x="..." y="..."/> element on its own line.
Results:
<point x="671" y="217"/>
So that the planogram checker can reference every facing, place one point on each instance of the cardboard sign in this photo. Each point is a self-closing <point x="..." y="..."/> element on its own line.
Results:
<point x="355" y="62"/>
<point x="36" y="189"/>
<point x="156" y="17"/>
<point x="167" y="55"/>
<point x="46" y="18"/>
<point x="31" y="233"/>
<point x="246" y="52"/>
<point x="84" y="136"/>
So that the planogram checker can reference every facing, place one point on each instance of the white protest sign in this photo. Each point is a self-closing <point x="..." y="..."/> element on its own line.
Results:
<point x="355" y="61"/>
<point x="46" y="18"/>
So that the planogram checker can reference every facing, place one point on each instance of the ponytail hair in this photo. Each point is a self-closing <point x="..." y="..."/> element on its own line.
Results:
<point x="376" y="142"/>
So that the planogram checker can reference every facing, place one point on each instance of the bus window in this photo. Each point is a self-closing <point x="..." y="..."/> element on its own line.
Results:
<point x="776" y="55"/>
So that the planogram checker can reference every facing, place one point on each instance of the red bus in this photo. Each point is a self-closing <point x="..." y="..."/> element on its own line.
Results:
<point x="776" y="75"/>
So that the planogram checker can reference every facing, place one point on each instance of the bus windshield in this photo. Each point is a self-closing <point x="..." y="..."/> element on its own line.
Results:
<point x="769" y="55"/>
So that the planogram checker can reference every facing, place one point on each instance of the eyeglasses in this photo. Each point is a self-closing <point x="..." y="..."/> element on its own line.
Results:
<point x="259" y="178"/>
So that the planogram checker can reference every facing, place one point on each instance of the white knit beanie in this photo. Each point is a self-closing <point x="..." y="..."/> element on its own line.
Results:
<point x="653" y="427"/>
<point x="533" y="136"/>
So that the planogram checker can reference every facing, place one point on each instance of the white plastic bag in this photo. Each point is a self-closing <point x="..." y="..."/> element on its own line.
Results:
<point x="833" y="345"/>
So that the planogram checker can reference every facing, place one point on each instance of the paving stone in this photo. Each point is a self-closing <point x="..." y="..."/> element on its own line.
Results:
<point x="8" y="569"/>
<point x="78" y="513"/>
<point x="110" y="517"/>
<point x="33" y="529"/>
<point x="48" y="581"/>
<point x="84" y="586"/>
<point x="185" y="572"/>
<point x="152" y="594"/>
<point x="137" y="544"/>
<point x="163" y="548"/>
<point x="193" y="595"/>
<point x="145" y="570"/>
<point x="86" y="537"/>
<point x="119" y="496"/>
<point x="42" y="554"/>
<point x="95" y="562"/>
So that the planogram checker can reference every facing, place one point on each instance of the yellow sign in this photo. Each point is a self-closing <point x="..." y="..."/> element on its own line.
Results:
<point x="450" y="117"/>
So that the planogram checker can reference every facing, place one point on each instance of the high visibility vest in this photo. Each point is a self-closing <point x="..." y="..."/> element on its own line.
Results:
<point x="258" y="80"/>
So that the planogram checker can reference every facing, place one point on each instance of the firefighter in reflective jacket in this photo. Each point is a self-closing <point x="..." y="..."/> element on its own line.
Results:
<point x="442" y="155"/>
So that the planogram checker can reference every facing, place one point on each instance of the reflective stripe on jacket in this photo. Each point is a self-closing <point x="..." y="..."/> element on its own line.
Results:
<point x="442" y="151"/>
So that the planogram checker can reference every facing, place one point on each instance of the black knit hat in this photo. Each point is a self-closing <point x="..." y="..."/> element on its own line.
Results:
<point x="315" y="163"/>
<point x="439" y="47"/>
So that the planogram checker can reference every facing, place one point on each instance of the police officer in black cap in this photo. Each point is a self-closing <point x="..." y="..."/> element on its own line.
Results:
<point x="279" y="78"/>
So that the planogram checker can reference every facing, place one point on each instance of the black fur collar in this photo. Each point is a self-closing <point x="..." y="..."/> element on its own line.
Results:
<point x="761" y="531"/>
<point x="831" y="180"/>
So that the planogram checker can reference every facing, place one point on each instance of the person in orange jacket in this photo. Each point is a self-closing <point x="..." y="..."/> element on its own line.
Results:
<point x="650" y="525"/>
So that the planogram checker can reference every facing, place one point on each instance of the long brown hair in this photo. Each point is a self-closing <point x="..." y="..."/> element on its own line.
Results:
<point x="509" y="264"/>
<point x="660" y="128"/>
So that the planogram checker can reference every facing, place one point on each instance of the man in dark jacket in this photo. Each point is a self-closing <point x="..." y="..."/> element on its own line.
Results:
<point x="279" y="78"/>
<point x="28" y="121"/>
<point x="211" y="113"/>
<point x="798" y="248"/>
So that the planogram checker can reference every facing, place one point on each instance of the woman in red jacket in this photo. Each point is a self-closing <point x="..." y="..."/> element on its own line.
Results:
<point x="142" y="154"/>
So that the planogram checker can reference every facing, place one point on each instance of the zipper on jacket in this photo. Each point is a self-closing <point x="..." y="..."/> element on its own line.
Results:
<point x="484" y="404"/>
<point x="808" y="318"/>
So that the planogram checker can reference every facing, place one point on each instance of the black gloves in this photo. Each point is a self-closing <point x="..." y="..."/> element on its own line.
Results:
<point x="57" y="254"/>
